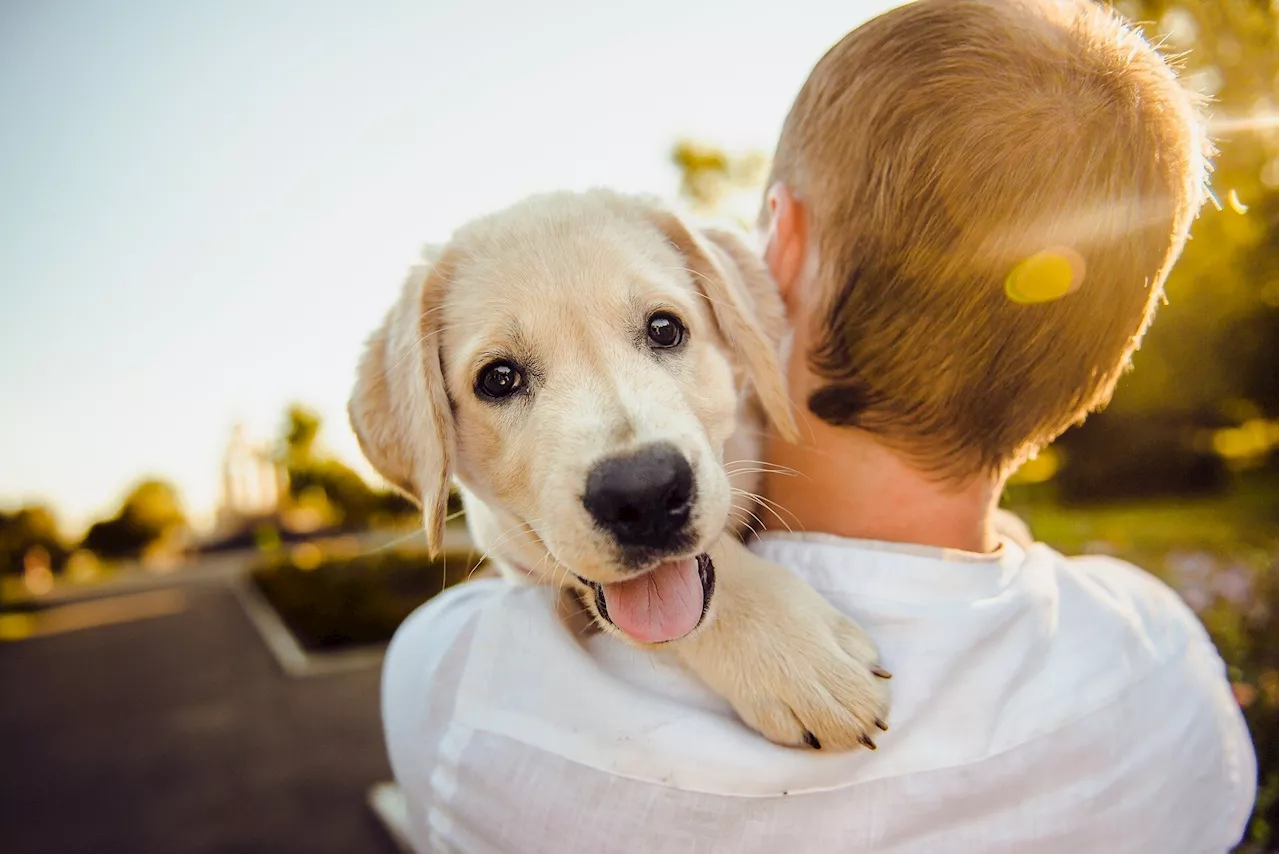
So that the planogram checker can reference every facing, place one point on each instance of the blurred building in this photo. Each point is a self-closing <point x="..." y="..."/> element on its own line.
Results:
<point x="252" y="483"/>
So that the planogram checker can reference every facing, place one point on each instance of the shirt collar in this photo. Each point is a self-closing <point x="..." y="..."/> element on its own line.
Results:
<point x="880" y="569"/>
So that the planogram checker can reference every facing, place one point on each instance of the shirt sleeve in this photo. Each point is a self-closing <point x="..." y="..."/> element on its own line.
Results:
<point x="1221" y="776"/>
<point x="421" y="674"/>
<point x="1211" y="688"/>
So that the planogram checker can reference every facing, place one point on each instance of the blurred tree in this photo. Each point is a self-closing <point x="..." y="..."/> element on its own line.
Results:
<point x="715" y="182"/>
<point x="302" y="426"/>
<point x="151" y="513"/>
<point x="33" y="526"/>
<point x="332" y="492"/>
<point x="1207" y="352"/>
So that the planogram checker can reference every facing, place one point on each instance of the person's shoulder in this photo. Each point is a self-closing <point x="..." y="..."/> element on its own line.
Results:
<point x="1112" y="589"/>
<point x="435" y="640"/>
<point x="1115" y="638"/>
<point x="439" y="621"/>
<point x="1155" y="644"/>
<point x="1129" y="638"/>
<point x="443" y="622"/>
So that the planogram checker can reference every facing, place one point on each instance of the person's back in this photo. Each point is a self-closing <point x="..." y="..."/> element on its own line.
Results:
<point x="975" y="206"/>
<point x="1040" y="704"/>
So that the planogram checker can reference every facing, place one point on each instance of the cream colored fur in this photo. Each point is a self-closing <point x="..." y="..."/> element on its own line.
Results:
<point x="565" y="282"/>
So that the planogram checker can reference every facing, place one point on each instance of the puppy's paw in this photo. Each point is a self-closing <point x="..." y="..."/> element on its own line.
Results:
<point x="792" y="666"/>
<point x="829" y="693"/>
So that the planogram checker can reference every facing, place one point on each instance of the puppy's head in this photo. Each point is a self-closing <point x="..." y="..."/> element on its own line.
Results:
<point x="578" y="362"/>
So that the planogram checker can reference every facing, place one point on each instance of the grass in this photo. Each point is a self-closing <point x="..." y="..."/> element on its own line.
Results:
<point x="1240" y="524"/>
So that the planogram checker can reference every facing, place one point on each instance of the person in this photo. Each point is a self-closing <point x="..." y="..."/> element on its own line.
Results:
<point x="973" y="208"/>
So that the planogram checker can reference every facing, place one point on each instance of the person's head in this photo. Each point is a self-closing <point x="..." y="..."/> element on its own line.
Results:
<point x="973" y="208"/>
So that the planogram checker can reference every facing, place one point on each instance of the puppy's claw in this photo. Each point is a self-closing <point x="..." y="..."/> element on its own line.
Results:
<point x="881" y="672"/>
<point x="815" y="684"/>
<point x="884" y="727"/>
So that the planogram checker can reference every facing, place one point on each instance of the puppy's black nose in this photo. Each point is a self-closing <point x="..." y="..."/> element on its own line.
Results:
<point x="642" y="499"/>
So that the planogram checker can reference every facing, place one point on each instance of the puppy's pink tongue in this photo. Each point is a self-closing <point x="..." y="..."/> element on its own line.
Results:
<point x="661" y="605"/>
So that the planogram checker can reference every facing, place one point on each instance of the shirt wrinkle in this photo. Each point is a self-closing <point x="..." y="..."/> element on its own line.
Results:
<point x="1040" y="704"/>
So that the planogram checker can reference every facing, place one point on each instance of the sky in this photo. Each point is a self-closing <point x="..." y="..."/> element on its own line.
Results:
<point x="206" y="207"/>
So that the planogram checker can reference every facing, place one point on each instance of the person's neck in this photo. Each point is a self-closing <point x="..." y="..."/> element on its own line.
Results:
<point x="848" y="484"/>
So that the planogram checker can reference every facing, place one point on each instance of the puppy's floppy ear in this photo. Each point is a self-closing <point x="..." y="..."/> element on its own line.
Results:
<point x="399" y="409"/>
<point x="746" y="306"/>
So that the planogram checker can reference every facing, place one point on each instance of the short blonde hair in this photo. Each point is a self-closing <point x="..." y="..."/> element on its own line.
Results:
<point x="940" y="150"/>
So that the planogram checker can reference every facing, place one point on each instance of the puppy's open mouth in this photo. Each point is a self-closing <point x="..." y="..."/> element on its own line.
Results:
<point x="663" y="604"/>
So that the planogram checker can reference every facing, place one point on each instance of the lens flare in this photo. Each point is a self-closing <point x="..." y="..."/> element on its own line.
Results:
<point x="1227" y="125"/>
<point x="1044" y="277"/>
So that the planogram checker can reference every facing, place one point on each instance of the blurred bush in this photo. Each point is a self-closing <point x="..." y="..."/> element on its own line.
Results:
<point x="150" y="526"/>
<point x="1115" y="455"/>
<point x="150" y="518"/>
<point x="324" y="493"/>
<point x="332" y="601"/>
<point x="27" y="529"/>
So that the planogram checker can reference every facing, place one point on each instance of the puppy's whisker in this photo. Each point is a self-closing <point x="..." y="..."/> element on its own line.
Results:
<point x="703" y="294"/>
<point x="535" y="573"/>
<point x="702" y="276"/>
<point x="416" y="532"/>
<point x="772" y="506"/>
<point x="754" y="496"/>
<point x="502" y="538"/>
<point x="737" y="472"/>
<point x="764" y="464"/>
<point x="760" y="525"/>
<point x="421" y="340"/>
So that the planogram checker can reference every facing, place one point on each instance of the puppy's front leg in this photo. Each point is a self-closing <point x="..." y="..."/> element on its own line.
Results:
<point x="791" y="665"/>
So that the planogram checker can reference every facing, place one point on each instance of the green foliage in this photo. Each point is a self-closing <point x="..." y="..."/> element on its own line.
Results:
<point x="351" y="601"/>
<point x="334" y="491"/>
<point x="150" y="513"/>
<point x="301" y="428"/>
<point x="30" y="527"/>
<point x="713" y="181"/>
<point x="1213" y="347"/>
<point x="1115" y="455"/>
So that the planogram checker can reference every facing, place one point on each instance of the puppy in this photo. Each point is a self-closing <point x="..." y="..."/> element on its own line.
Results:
<point x="595" y="375"/>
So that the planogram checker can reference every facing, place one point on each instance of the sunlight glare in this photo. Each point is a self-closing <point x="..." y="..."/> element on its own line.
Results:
<point x="1045" y="276"/>
<point x="1229" y="125"/>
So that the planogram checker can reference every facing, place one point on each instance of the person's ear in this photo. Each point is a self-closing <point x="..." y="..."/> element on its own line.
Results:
<point x="786" y="243"/>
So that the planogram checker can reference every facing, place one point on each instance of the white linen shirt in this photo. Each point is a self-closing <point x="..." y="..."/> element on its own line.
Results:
<point x="1040" y="704"/>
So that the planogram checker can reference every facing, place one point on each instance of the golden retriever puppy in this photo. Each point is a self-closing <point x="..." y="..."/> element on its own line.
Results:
<point x="595" y="376"/>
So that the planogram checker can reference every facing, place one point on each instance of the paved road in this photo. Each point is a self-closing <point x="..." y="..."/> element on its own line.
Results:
<point x="179" y="733"/>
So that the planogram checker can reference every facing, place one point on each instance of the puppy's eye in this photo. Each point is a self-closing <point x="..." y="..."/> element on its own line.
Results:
<point x="499" y="379"/>
<point x="665" y="331"/>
